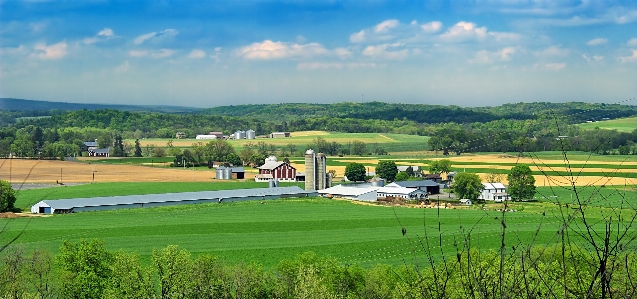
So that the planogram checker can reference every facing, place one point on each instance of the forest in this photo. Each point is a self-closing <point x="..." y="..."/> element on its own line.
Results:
<point x="522" y="127"/>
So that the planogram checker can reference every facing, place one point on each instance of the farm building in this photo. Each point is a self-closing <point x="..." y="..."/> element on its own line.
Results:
<point x="355" y="193"/>
<point x="272" y="169"/>
<point x="415" y="168"/>
<point x="98" y="152"/>
<point x="465" y="202"/>
<point x="434" y="177"/>
<point x="425" y="185"/>
<point x="406" y="193"/>
<point x="316" y="175"/>
<point x="227" y="173"/>
<point x="156" y="200"/>
<point x="279" y="134"/>
<point x="494" y="191"/>
<point x="180" y="135"/>
<point x="91" y="144"/>
<point x="206" y="137"/>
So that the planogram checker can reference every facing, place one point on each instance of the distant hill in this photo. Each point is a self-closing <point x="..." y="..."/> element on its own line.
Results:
<point x="620" y="124"/>
<point x="575" y="112"/>
<point x="30" y="105"/>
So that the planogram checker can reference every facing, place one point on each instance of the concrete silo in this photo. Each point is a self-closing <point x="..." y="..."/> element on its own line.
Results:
<point x="320" y="172"/>
<point x="310" y="168"/>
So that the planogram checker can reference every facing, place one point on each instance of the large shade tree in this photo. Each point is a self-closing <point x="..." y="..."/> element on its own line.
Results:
<point x="355" y="172"/>
<point x="521" y="183"/>
<point x="387" y="170"/>
<point x="7" y="196"/>
<point x="467" y="185"/>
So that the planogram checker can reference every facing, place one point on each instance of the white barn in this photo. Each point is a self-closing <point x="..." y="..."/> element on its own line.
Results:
<point x="355" y="193"/>
<point x="402" y="192"/>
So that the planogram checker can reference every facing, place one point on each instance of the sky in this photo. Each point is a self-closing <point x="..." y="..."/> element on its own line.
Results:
<point x="213" y="53"/>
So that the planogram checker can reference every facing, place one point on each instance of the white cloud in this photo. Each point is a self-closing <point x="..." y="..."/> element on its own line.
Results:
<point x="487" y="57"/>
<point x="217" y="54"/>
<point x="166" y="34"/>
<point x="20" y="50"/>
<point x="464" y="31"/>
<point x="385" y="26"/>
<point x="163" y="53"/>
<point x="197" y="54"/>
<point x="106" y="32"/>
<point x="386" y="51"/>
<point x="357" y="37"/>
<point x="122" y="68"/>
<point x="597" y="41"/>
<point x="38" y="27"/>
<point x="342" y="52"/>
<point x="431" y="27"/>
<point x="269" y="50"/>
<point x="552" y="51"/>
<point x="55" y="51"/>
<point x="505" y="36"/>
<point x="595" y="58"/>
<point x="631" y="58"/>
<point x="138" y="53"/>
<point x="632" y="42"/>
<point x="104" y="35"/>
<point x="550" y="66"/>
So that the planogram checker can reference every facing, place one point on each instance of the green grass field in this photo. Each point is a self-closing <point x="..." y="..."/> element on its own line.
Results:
<point x="622" y="124"/>
<point x="267" y="233"/>
<point x="390" y="142"/>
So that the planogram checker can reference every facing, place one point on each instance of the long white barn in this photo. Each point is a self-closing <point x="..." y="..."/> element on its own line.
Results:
<point x="167" y="199"/>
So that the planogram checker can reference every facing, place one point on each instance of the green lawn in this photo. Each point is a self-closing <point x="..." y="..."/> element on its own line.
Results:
<point x="267" y="233"/>
<point x="621" y="124"/>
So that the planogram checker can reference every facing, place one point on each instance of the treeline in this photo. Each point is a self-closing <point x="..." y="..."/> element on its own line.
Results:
<point x="86" y="269"/>
<point x="577" y="112"/>
<point x="530" y="136"/>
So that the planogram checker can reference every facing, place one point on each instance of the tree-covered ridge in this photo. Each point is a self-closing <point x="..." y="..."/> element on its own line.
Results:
<point x="423" y="113"/>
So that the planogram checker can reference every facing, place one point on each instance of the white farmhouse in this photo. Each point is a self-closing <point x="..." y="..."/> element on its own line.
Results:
<point x="494" y="192"/>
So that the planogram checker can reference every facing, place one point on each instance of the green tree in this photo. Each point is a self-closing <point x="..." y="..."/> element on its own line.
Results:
<point x="467" y="185"/>
<point x="138" y="148"/>
<point x="7" y="196"/>
<point x="387" y="170"/>
<point x="218" y="150"/>
<point x="174" y="267"/>
<point x="85" y="269"/>
<point x="440" y="166"/>
<point x="358" y="148"/>
<point x="521" y="182"/>
<point x="129" y="279"/>
<point x="410" y="171"/>
<point x="234" y="159"/>
<point x="355" y="172"/>
<point x="402" y="176"/>
<point x="118" y="147"/>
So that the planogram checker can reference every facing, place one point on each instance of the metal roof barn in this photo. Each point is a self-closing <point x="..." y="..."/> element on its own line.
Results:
<point x="166" y="199"/>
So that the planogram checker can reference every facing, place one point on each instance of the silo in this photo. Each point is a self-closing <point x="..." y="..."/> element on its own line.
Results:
<point x="273" y="183"/>
<point x="227" y="173"/>
<point x="250" y="134"/>
<point x="320" y="171"/>
<point x="309" y="170"/>
<point x="237" y="135"/>
<point x="378" y="183"/>
<point x="219" y="174"/>
<point x="242" y="134"/>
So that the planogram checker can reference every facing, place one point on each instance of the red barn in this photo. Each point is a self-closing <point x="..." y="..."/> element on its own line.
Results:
<point x="275" y="170"/>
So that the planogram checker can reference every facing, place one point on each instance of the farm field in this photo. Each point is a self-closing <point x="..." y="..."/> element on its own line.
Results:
<point x="621" y="124"/>
<point x="390" y="142"/>
<point x="52" y="171"/>
<point x="267" y="233"/>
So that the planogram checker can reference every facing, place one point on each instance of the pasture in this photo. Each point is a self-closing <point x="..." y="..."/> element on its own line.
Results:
<point x="273" y="230"/>
<point x="621" y="124"/>
<point x="390" y="142"/>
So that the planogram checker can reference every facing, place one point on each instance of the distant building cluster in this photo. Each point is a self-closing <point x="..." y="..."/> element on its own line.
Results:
<point x="94" y="151"/>
<point x="249" y="134"/>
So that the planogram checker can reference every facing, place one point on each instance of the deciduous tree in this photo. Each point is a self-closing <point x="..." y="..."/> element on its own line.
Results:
<point x="355" y="172"/>
<point x="7" y="196"/>
<point x="467" y="185"/>
<point x="387" y="170"/>
<point x="521" y="182"/>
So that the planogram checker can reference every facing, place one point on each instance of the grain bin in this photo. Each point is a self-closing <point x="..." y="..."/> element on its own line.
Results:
<point x="227" y="173"/>
<point x="250" y="134"/>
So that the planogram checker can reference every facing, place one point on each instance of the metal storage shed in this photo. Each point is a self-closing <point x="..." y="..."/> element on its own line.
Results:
<point x="166" y="199"/>
<point x="356" y="193"/>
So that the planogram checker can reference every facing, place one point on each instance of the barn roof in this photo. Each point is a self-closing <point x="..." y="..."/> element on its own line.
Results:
<point x="414" y="184"/>
<point x="66" y="204"/>
<point x="347" y="191"/>
<point x="493" y="186"/>
<point x="271" y="165"/>
<point x="397" y="190"/>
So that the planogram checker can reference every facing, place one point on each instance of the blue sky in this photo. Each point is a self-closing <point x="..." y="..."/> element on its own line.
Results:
<point x="212" y="53"/>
